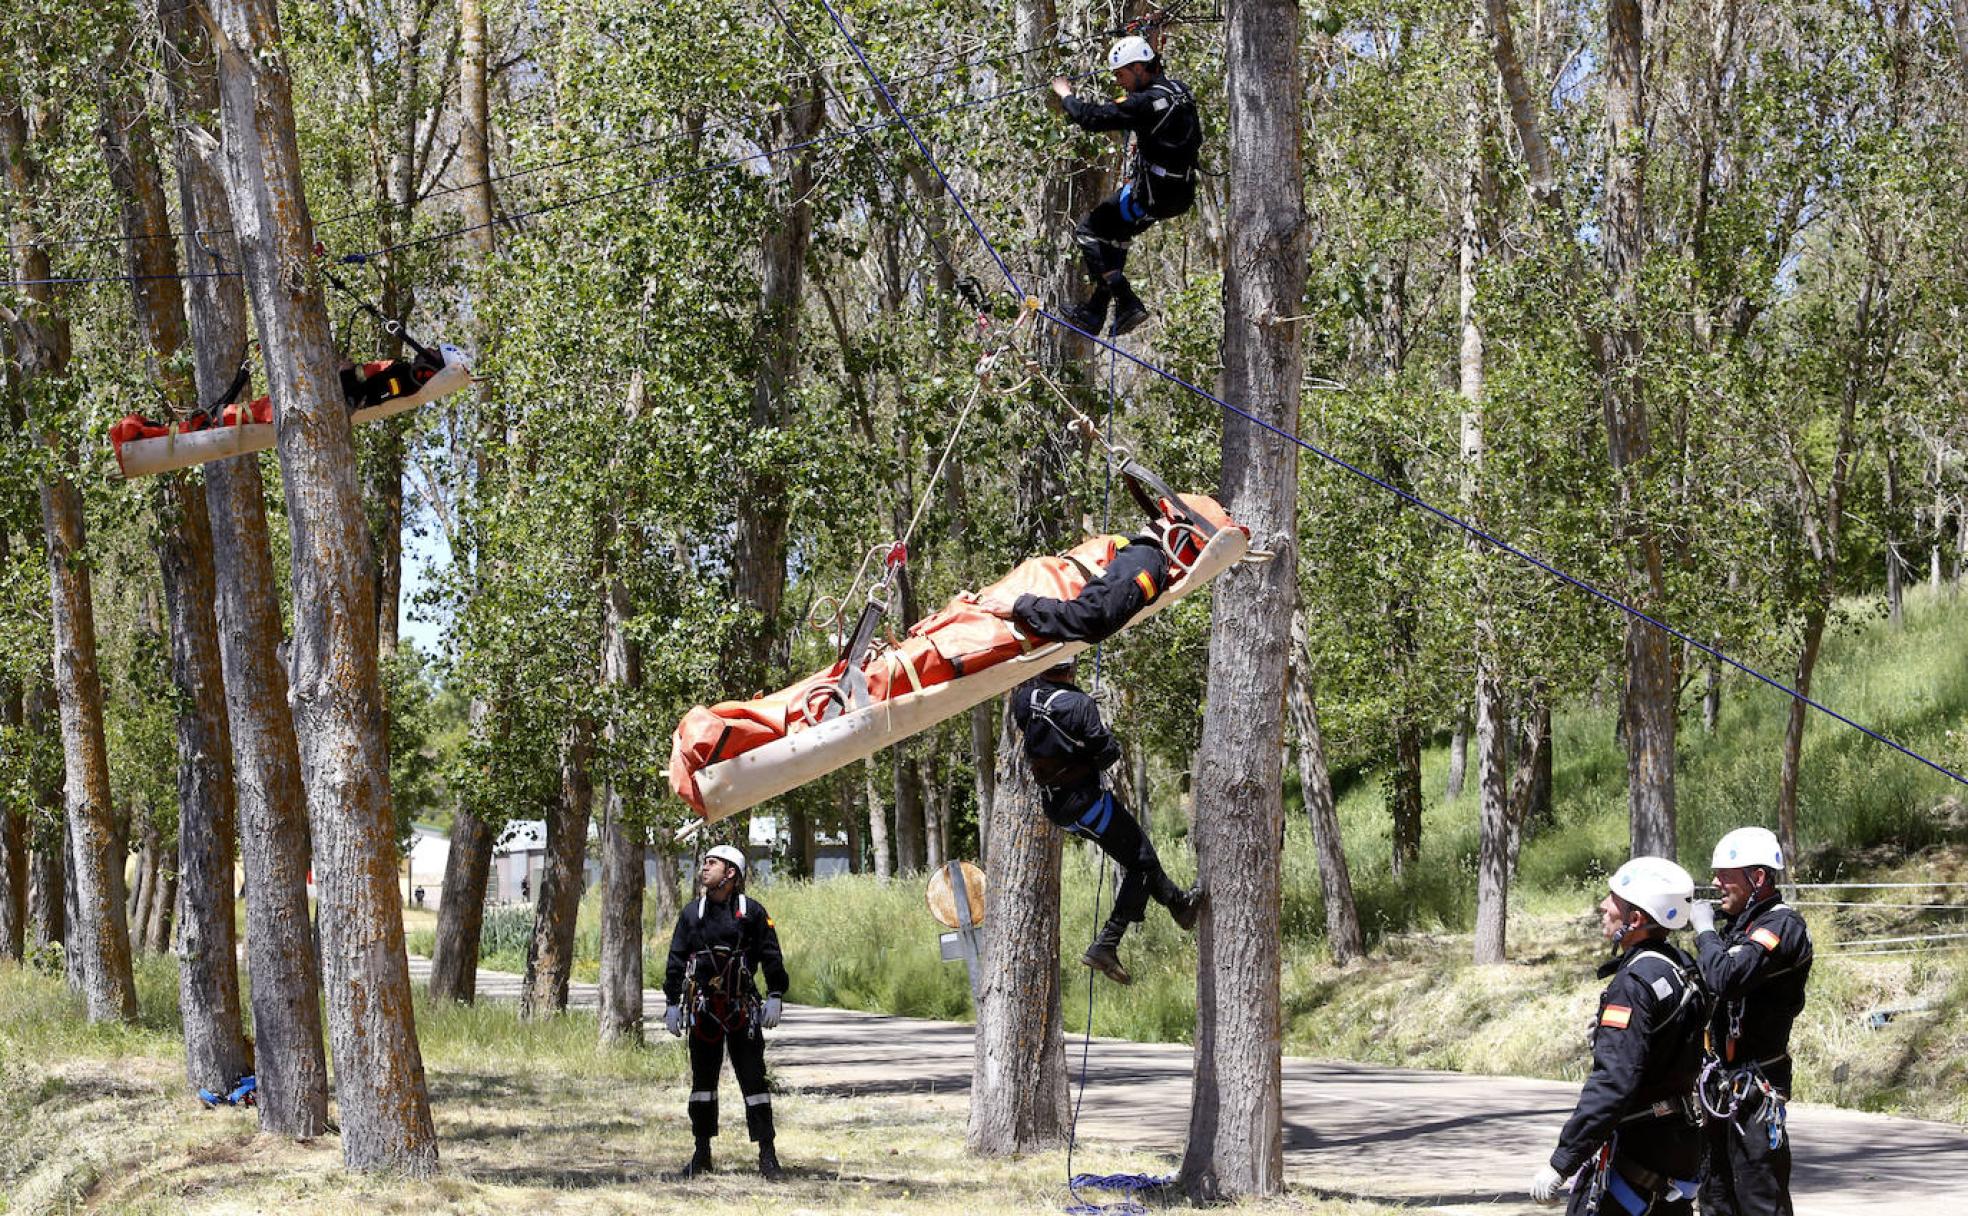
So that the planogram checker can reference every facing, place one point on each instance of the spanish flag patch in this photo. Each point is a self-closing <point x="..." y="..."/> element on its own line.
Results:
<point x="1147" y="585"/>
<point x="1616" y="1016"/>
<point x="1765" y="939"/>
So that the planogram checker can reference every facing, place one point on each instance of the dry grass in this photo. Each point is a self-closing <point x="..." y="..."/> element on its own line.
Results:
<point x="529" y="1121"/>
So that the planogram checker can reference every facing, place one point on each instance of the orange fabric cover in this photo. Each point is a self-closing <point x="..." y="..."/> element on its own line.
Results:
<point x="957" y="639"/>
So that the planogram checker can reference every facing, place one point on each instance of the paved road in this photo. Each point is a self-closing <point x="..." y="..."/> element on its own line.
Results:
<point x="1445" y="1141"/>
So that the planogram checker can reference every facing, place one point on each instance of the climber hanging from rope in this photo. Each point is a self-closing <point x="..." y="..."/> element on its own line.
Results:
<point x="1161" y="114"/>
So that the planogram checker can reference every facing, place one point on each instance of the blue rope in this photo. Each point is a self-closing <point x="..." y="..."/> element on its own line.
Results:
<point x="1447" y="517"/>
<point x="928" y="156"/>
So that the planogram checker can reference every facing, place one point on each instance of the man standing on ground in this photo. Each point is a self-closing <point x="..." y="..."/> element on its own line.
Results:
<point x="1756" y="966"/>
<point x="1632" y="1141"/>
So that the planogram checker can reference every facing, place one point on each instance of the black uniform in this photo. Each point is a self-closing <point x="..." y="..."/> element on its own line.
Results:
<point x="721" y="947"/>
<point x="1646" y="1053"/>
<point x="1756" y="966"/>
<point x="1138" y="575"/>
<point x="1068" y="746"/>
<point x="1168" y="136"/>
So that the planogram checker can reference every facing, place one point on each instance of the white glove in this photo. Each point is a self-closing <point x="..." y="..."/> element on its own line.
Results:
<point x="1702" y="916"/>
<point x="673" y="1019"/>
<point x="774" y="1007"/>
<point x="1544" y="1187"/>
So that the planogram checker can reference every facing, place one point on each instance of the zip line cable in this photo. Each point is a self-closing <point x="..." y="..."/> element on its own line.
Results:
<point x="1412" y="499"/>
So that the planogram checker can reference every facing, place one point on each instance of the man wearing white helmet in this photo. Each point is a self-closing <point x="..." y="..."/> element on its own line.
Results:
<point x="723" y="939"/>
<point x="1161" y="180"/>
<point x="1632" y="1141"/>
<point x="1756" y="965"/>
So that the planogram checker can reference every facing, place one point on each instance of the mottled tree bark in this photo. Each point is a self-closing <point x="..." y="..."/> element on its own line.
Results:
<point x="550" y="952"/>
<point x="909" y="820"/>
<point x="461" y="910"/>
<point x="1018" y="1073"/>
<point x="983" y="767"/>
<point x="1458" y="757"/>
<point x="13" y="819"/>
<point x="623" y="841"/>
<point x="274" y="849"/>
<point x="877" y="824"/>
<point x="201" y="866"/>
<point x="100" y="928"/>
<point x="1343" y="935"/>
<point x="1236" y="1121"/>
<point x="48" y="895"/>
<point x="379" y="1072"/>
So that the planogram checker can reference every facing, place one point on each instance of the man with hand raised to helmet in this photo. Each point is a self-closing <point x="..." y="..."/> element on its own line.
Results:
<point x="1161" y="178"/>
<point x="1756" y="965"/>
<point x="723" y="939"/>
<point x="1632" y="1142"/>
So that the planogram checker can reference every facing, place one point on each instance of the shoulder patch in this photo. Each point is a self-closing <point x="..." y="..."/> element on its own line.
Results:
<point x="1765" y="939"/>
<point x="1663" y="987"/>
<point x="1147" y="584"/>
<point x="1616" y="1016"/>
<point x="769" y="924"/>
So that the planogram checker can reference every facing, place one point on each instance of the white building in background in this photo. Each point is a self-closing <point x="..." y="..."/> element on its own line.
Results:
<point x="423" y="864"/>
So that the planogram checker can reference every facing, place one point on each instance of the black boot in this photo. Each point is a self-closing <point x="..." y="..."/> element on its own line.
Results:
<point x="1091" y="315"/>
<point x="1104" y="954"/>
<point x="699" y="1163"/>
<point x="1186" y="908"/>
<point x="1129" y="311"/>
<point x="769" y="1162"/>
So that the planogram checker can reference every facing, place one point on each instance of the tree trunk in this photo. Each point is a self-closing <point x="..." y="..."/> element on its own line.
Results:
<point x="137" y="905"/>
<point x="623" y="840"/>
<point x="877" y="825"/>
<point x="1018" y="1074"/>
<point x="101" y="926"/>
<point x="851" y="823"/>
<point x="1793" y="744"/>
<point x="461" y="909"/>
<point x="1404" y="799"/>
<point x="475" y="125"/>
<point x="908" y="812"/>
<point x="983" y="767"/>
<point x="13" y="816"/>
<point x="157" y="940"/>
<point x="1895" y="567"/>
<point x="274" y="849"/>
<point x="759" y="562"/>
<point x="1458" y="757"/>
<point x="208" y="975"/>
<point x="1649" y="709"/>
<point x="550" y="953"/>
<point x="1236" y="1122"/>
<point x="1494" y="819"/>
<point x="384" y="1103"/>
<point x="1321" y="810"/>
<point x="48" y="894"/>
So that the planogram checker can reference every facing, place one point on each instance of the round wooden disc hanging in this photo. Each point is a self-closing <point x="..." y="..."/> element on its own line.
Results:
<point x="943" y="899"/>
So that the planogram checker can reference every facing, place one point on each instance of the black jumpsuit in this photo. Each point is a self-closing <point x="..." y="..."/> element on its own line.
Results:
<point x="1138" y="575"/>
<point x="1756" y="967"/>
<point x="724" y="1016"/>
<point x="1646" y="1053"/>
<point x="1069" y="747"/>
<point x="1168" y="134"/>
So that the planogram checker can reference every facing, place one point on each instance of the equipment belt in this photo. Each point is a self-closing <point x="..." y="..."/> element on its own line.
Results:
<point x="1659" y="1110"/>
<point x="1182" y="176"/>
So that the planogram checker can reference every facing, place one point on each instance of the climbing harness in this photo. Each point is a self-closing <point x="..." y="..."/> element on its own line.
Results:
<point x="1724" y="1091"/>
<point x="717" y="985"/>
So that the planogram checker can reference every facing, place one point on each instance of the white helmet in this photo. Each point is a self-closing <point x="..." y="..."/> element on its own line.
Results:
<point x="1129" y="50"/>
<point x="729" y="855"/>
<point x="1657" y="887"/>
<point x="1748" y="847"/>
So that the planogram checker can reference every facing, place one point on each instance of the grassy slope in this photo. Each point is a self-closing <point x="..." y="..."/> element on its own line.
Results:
<point x="531" y="1119"/>
<point x="1866" y="811"/>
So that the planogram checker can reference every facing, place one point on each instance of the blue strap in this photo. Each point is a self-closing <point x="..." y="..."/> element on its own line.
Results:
<point x="1131" y="208"/>
<point x="1097" y="816"/>
<point x="1622" y="1190"/>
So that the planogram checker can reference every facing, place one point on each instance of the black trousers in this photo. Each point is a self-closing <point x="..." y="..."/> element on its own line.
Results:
<point x="1741" y="1174"/>
<point x="1097" y="815"/>
<point x="708" y="1045"/>
<point x="1110" y="228"/>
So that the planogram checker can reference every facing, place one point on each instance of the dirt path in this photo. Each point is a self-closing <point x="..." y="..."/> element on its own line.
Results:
<point x="1445" y="1141"/>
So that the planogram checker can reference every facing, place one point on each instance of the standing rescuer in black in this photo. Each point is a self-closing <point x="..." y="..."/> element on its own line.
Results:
<point x="723" y="939"/>
<point x="1756" y="966"/>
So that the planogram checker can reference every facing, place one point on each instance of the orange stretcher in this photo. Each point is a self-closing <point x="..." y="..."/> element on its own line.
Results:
<point x="734" y="755"/>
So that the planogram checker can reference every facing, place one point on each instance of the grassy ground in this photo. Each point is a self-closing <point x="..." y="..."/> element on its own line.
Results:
<point x="1866" y="812"/>
<point x="530" y="1119"/>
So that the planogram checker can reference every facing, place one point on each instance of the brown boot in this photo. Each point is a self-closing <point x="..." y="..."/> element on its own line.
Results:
<point x="1104" y="954"/>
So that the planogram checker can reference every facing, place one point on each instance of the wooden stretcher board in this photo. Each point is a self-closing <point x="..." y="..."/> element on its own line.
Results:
<point x="143" y="457"/>
<point x="787" y="763"/>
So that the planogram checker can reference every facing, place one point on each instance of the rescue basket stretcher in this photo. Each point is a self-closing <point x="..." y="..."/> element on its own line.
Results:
<point x="734" y="755"/>
<point x="143" y="448"/>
